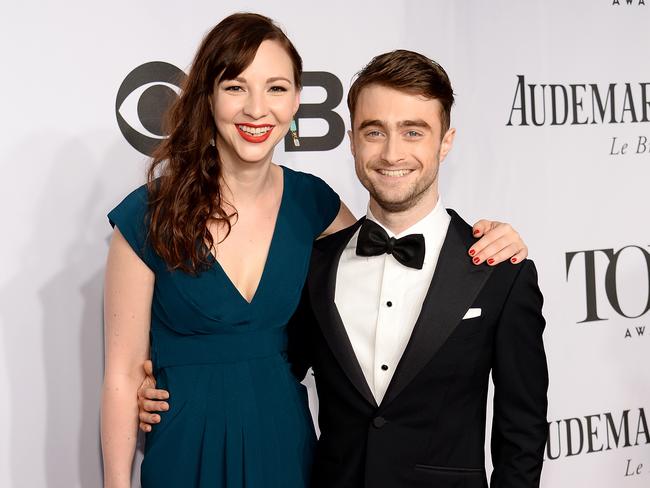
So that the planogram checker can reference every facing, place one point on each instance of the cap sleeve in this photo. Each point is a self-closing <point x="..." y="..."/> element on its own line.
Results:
<point x="130" y="217"/>
<point x="325" y="203"/>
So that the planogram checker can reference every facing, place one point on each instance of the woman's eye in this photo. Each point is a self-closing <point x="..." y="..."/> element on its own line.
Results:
<point x="278" y="89"/>
<point x="233" y="88"/>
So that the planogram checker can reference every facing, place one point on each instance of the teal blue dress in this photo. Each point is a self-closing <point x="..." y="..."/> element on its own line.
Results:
<point x="238" y="418"/>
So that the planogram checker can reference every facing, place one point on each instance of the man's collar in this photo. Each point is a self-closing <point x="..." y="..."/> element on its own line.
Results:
<point x="430" y="225"/>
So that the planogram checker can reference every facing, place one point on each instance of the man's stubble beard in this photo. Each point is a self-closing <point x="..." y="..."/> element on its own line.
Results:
<point x="413" y="197"/>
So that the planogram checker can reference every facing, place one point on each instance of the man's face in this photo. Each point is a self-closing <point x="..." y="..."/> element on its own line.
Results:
<point x="397" y="146"/>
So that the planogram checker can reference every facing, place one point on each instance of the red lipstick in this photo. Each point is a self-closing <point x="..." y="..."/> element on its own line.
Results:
<point x="255" y="138"/>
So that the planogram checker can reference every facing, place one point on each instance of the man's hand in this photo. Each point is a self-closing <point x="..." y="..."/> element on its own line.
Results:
<point x="149" y="399"/>
<point x="499" y="241"/>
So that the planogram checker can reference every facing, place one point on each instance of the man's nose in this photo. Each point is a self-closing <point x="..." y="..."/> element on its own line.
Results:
<point x="392" y="150"/>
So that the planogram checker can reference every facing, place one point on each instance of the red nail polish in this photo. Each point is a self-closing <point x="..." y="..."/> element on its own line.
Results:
<point x="476" y="231"/>
<point x="513" y="260"/>
<point x="490" y="261"/>
<point x="472" y="252"/>
<point x="476" y="260"/>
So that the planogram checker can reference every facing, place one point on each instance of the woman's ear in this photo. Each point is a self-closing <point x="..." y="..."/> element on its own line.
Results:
<point x="296" y="104"/>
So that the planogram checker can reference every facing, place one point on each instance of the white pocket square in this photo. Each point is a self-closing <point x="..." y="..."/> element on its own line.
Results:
<point x="472" y="313"/>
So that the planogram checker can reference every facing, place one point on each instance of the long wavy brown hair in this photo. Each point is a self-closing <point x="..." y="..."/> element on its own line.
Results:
<point x="185" y="175"/>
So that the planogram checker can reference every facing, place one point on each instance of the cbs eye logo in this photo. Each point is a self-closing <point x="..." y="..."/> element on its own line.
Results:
<point x="142" y="99"/>
<point x="147" y="92"/>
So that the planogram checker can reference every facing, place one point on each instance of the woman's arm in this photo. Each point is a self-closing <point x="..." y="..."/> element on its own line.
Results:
<point x="128" y="292"/>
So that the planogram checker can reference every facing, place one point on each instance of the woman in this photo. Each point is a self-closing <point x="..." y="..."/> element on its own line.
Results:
<point x="205" y="267"/>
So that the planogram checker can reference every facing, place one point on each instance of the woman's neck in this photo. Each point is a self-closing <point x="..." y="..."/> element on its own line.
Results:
<point x="246" y="182"/>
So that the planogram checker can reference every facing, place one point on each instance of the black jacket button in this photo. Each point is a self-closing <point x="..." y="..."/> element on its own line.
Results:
<point x="379" y="422"/>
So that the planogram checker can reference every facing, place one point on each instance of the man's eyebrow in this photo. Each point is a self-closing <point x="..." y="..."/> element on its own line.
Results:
<point x="401" y="124"/>
<point x="414" y="123"/>
<point x="372" y="123"/>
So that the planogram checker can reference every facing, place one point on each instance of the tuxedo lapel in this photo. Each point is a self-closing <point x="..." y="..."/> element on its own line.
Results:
<point x="322" y="289"/>
<point x="454" y="287"/>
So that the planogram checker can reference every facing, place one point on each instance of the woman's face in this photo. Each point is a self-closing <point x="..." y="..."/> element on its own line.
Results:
<point x="253" y="112"/>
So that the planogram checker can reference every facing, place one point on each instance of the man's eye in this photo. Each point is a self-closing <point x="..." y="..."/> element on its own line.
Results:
<point x="373" y="133"/>
<point x="413" y="133"/>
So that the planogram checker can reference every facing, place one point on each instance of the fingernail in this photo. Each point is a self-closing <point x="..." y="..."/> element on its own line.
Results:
<point x="513" y="260"/>
<point x="472" y="252"/>
<point x="476" y="260"/>
<point x="490" y="261"/>
<point x="165" y="406"/>
<point x="476" y="231"/>
<point x="156" y="418"/>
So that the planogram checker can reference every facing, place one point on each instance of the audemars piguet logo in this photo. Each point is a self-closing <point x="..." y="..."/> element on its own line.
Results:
<point x="616" y="105"/>
<point x="539" y="104"/>
<point x="601" y="433"/>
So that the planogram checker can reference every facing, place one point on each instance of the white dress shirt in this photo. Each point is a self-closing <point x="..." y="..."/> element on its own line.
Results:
<point x="379" y="299"/>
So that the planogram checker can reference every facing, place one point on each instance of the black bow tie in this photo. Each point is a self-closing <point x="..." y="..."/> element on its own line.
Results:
<point x="373" y="241"/>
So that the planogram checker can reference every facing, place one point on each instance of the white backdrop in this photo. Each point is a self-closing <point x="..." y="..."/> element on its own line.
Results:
<point x="578" y="197"/>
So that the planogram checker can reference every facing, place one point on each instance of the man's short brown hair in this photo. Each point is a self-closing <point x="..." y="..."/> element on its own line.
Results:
<point x="409" y="72"/>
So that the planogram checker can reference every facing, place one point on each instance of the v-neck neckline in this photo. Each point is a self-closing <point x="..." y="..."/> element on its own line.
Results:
<point x="217" y="265"/>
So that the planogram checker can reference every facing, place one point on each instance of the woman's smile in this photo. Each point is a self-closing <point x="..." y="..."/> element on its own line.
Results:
<point x="254" y="133"/>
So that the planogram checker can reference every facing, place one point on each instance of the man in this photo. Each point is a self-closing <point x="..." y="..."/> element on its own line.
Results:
<point x="401" y="330"/>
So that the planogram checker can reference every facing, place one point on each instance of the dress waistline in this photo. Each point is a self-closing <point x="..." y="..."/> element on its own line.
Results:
<point x="171" y="349"/>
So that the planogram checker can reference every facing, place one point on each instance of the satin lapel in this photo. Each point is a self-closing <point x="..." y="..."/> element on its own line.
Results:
<point x="322" y="288"/>
<point x="454" y="287"/>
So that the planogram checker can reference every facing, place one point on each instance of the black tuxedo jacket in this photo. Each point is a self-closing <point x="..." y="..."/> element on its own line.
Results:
<point x="429" y="430"/>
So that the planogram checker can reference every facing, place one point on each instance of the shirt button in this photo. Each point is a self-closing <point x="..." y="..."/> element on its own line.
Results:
<point x="384" y="367"/>
<point x="389" y="303"/>
<point x="379" y="422"/>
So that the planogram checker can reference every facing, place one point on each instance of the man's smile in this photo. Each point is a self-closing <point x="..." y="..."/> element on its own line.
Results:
<point x="395" y="173"/>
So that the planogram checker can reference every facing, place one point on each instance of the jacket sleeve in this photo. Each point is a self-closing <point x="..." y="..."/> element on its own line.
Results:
<point x="520" y="375"/>
<point x="299" y="350"/>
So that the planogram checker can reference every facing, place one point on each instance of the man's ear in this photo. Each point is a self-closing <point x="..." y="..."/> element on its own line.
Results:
<point x="352" y="148"/>
<point x="447" y="143"/>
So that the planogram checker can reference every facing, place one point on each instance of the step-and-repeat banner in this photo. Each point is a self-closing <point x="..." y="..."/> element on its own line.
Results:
<point x="553" y="119"/>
